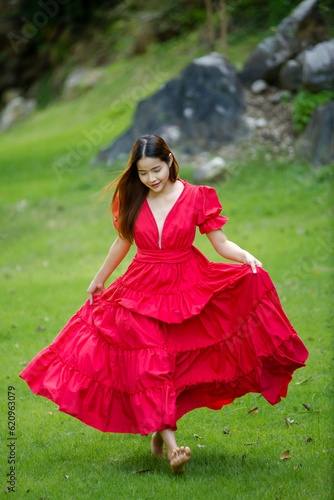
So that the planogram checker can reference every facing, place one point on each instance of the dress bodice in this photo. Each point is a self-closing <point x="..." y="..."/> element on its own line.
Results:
<point x="175" y="280"/>
<point x="195" y="206"/>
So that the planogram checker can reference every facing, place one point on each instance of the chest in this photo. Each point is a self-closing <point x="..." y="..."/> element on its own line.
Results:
<point x="163" y="205"/>
<point x="160" y="211"/>
<point x="166" y="226"/>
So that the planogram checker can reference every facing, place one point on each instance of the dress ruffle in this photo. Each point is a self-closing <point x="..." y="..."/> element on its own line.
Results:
<point x="178" y="298"/>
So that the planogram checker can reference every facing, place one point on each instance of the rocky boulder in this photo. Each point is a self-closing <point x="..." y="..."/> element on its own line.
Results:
<point x="318" y="67"/>
<point x="304" y="27"/>
<point x="316" y="144"/>
<point x="15" y="109"/>
<point x="290" y="75"/>
<point x="312" y="69"/>
<point x="210" y="171"/>
<point x="200" y="109"/>
<point x="80" y="80"/>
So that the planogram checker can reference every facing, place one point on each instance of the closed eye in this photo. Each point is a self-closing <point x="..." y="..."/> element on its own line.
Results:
<point x="157" y="169"/>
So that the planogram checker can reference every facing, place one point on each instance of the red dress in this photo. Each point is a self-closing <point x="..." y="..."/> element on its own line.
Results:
<point x="175" y="332"/>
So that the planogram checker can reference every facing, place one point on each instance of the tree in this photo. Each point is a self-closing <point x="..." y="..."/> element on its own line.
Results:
<point x="223" y="27"/>
<point x="211" y="26"/>
<point x="220" y="8"/>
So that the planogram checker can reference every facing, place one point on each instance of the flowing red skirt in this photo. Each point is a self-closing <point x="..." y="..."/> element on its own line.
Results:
<point x="118" y="368"/>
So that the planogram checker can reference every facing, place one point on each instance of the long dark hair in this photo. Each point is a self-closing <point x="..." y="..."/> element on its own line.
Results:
<point x="130" y="192"/>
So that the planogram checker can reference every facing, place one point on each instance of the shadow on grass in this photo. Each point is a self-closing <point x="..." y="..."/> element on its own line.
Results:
<point x="202" y="463"/>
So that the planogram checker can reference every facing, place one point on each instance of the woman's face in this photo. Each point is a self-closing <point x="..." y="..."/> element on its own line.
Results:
<point x="154" y="173"/>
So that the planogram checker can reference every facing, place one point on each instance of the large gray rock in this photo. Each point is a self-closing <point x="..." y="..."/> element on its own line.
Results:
<point x="80" y="80"/>
<point x="290" y="75"/>
<point x="16" y="109"/>
<point x="312" y="69"/>
<point x="210" y="171"/>
<point x="304" y="27"/>
<point x="317" y="142"/>
<point x="200" y="109"/>
<point x="318" y="67"/>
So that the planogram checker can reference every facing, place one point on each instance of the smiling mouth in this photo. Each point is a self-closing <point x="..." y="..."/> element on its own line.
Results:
<point x="155" y="185"/>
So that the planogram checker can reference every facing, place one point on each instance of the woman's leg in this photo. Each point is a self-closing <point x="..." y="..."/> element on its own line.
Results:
<point x="176" y="456"/>
<point x="157" y="445"/>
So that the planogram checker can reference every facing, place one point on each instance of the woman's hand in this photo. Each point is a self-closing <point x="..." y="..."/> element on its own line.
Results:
<point x="116" y="254"/>
<point x="96" y="286"/>
<point x="252" y="261"/>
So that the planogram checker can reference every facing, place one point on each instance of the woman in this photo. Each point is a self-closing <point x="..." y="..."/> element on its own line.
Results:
<point x="175" y="332"/>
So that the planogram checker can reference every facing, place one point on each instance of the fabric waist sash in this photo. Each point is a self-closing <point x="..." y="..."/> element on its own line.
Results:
<point x="166" y="256"/>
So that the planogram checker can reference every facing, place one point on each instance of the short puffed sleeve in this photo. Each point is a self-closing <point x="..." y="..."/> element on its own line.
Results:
<point x="115" y="211"/>
<point x="208" y="210"/>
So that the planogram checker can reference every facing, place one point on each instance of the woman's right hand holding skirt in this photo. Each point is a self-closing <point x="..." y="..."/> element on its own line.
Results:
<point x="96" y="286"/>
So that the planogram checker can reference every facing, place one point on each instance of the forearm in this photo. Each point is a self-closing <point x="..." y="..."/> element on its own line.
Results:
<point x="116" y="254"/>
<point x="231" y="251"/>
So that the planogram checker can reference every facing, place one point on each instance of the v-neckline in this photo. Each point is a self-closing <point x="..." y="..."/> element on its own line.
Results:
<point x="163" y="225"/>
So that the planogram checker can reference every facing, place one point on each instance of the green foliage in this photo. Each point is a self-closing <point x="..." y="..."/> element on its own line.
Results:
<point x="259" y="13"/>
<point x="265" y="14"/>
<point x="303" y="105"/>
<point x="76" y="11"/>
<point x="109" y="28"/>
<point x="44" y="92"/>
<point x="182" y="15"/>
<point x="167" y="19"/>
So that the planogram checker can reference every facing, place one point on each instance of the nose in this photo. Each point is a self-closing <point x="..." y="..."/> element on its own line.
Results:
<point x="151" y="177"/>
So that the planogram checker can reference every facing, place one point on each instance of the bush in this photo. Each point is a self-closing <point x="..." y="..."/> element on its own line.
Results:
<point x="303" y="105"/>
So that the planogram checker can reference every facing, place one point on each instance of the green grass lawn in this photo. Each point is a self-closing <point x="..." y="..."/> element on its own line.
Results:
<point x="54" y="237"/>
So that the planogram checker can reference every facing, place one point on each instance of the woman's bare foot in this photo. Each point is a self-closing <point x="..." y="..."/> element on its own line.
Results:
<point x="157" y="447"/>
<point x="178" y="458"/>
